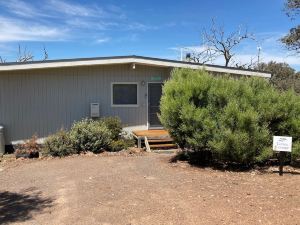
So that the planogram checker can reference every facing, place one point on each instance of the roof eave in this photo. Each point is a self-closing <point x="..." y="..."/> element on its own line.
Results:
<point x="127" y="60"/>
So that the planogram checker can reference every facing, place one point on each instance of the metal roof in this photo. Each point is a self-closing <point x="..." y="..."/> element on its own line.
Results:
<point x="12" y="66"/>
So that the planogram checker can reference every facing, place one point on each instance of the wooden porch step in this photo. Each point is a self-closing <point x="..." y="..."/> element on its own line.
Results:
<point x="151" y="133"/>
<point x="163" y="146"/>
<point x="154" y="139"/>
<point x="160" y="140"/>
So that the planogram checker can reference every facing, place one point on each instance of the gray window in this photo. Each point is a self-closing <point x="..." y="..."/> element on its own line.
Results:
<point x="124" y="94"/>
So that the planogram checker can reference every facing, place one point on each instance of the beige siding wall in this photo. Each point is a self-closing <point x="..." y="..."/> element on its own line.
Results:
<point x="42" y="101"/>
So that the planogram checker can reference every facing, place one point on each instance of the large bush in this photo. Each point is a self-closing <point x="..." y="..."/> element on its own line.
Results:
<point x="90" y="135"/>
<point x="232" y="118"/>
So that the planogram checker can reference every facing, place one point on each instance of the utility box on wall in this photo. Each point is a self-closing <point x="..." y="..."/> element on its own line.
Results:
<point x="95" y="110"/>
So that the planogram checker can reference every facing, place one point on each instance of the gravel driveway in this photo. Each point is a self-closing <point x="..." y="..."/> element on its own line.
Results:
<point x="142" y="190"/>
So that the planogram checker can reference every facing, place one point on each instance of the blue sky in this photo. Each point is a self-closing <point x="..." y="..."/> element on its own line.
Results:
<point x="77" y="28"/>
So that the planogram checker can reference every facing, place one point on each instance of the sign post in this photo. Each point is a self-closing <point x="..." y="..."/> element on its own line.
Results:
<point x="281" y="162"/>
<point x="282" y="144"/>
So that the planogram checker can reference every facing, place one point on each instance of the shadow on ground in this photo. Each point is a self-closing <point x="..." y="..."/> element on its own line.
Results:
<point x="203" y="159"/>
<point x="17" y="207"/>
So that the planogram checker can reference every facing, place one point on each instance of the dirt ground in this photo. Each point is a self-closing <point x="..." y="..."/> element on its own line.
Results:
<point x="144" y="189"/>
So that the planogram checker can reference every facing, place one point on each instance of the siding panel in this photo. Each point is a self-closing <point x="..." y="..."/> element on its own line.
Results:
<point x="43" y="101"/>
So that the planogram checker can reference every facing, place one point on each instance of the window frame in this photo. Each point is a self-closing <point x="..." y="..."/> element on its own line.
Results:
<point x="124" y="105"/>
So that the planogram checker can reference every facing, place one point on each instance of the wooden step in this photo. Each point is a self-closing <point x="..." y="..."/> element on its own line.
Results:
<point x="158" y="137"/>
<point x="160" y="140"/>
<point x="163" y="146"/>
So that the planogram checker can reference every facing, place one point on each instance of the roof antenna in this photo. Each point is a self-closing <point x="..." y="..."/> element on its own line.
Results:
<point x="258" y="54"/>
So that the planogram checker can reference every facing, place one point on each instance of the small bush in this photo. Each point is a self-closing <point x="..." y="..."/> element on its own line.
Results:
<point x="90" y="135"/>
<point x="121" y="144"/>
<point x="29" y="148"/>
<point x="59" y="145"/>
<point x="114" y="125"/>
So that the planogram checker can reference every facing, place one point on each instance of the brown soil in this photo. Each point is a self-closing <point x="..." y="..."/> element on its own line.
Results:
<point x="144" y="189"/>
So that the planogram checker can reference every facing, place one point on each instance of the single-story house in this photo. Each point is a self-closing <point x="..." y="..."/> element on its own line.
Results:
<point x="40" y="97"/>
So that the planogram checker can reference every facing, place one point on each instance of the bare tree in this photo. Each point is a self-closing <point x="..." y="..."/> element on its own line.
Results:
<point x="219" y="43"/>
<point x="2" y="60"/>
<point x="252" y="64"/>
<point x="25" y="56"/>
<point x="46" y="56"/>
<point x="203" y="56"/>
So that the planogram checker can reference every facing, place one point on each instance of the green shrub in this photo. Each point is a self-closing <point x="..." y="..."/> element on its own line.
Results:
<point x="295" y="155"/>
<point x="90" y="135"/>
<point x="59" y="145"/>
<point x="114" y="125"/>
<point x="233" y="118"/>
<point x="121" y="144"/>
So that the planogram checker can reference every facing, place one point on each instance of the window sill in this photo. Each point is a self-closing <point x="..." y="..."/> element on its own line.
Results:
<point x="122" y="106"/>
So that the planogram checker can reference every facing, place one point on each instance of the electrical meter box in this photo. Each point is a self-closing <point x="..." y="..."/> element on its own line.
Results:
<point x="95" y="110"/>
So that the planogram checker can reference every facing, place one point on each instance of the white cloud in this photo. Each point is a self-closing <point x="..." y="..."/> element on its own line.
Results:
<point x="29" y="21"/>
<point x="21" y="8"/>
<point x="138" y="26"/>
<point x="102" y="40"/>
<point x="16" y="30"/>
<point x="132" y="37"/>
<point x="56" y="8"/>
<point x="74" y="9"/>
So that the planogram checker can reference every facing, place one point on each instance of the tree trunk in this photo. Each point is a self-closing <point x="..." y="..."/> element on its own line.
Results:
<point x="227" y="62"/>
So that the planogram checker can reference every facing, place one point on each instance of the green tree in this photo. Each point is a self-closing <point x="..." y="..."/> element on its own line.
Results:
<point x="292" y="7"/>
<point x="284" y="77"/>
<point x="292" y="39"/>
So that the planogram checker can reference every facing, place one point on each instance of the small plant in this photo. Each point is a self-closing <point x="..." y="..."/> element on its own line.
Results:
<point x="90" y="135"/>
<point x="28" y="149"/>
<point x="121" y="144"/>
<point x="114" y="125"/>
<point x="59" y="145"/>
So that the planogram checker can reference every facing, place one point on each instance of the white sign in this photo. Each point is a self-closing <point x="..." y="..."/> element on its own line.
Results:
<point x="95" y="110"/>
<point x="282" y="144"/>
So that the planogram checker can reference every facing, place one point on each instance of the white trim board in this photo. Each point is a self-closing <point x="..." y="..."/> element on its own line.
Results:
<point x="127" y="60"/>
